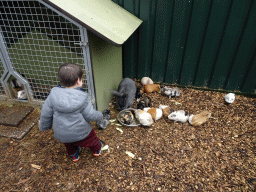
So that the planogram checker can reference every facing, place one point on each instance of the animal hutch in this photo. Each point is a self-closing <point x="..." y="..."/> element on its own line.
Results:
<point x="37" y="36"/>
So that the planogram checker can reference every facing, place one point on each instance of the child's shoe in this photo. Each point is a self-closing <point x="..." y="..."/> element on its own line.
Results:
<point x="96" y="154"/>
<point x="75" y="157"/>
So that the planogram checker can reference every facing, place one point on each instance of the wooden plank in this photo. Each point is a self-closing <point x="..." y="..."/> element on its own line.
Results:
<point x="162" y="27"/>
<point x="249" y="81"/>
<point x="131" y="45"/>
<point x="180" y="21"/>
<point x="216" y="24"/>
<point x="105" y="18"/>
<point x="147" y="10"/>
<point x="195" y="39"/>
<point x="230" y="41"/>
<point x="244" y="54"/>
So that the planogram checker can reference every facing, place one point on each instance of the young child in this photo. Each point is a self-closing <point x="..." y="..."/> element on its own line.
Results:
<point x="68" y="110"/>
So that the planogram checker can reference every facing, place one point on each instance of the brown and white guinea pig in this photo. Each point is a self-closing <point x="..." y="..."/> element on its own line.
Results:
<point x="150" y="88"/>
<point x="146" y="80"/>
<point x="166" y="110"/>
<point x="144" y="118"/>
<point x="154" y="112"/>
<point x="199" y="119"/>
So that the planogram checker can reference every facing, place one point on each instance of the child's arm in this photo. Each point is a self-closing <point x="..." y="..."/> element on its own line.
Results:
<point x="45" y="122"/>
<point x="90" y="114"/>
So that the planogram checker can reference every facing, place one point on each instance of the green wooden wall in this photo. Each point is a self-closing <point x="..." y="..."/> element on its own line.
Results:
<point x="201" y="43"/>
<point x="107" y="69"/>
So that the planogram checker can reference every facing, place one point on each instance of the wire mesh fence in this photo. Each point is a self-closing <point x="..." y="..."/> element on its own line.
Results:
<point x="38" y="41"/>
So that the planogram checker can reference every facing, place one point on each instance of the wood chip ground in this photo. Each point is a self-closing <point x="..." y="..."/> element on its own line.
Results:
<point x="220" y="155"/>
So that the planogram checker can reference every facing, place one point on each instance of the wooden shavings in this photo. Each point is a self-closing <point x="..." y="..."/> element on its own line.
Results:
<point x="35" y="166"/>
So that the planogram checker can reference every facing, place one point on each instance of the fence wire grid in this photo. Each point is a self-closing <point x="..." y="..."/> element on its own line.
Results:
<point x="38" y="41"/>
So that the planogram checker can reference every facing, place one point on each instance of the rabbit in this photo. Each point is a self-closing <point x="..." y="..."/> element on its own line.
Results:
<point x="154" y="112"/>
<point x="144" y="102"/>
<point x="150" y="88"/>
<point x="102" y="124"/>
<point x="171" y="92"/>
<point x="199" y="119"/>
<point x="143" y="117"/>
<point x="181" y="116"/>
<point x="146" y="80"/>
<point x="166" y="110"/>
<point x="125" y="94"/>
<point x="230" y="98"/>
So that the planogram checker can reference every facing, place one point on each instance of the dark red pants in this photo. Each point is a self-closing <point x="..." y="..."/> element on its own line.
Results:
<point x="91" y="141"/>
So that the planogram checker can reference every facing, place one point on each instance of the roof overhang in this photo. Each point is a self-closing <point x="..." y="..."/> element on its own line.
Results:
<point x="103" y="17"/>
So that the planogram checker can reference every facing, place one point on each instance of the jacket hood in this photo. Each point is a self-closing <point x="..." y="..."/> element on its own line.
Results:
<point x="67" y="99"/>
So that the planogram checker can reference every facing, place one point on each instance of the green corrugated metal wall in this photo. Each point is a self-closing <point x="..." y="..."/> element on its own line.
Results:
<point x="201" y="43"/>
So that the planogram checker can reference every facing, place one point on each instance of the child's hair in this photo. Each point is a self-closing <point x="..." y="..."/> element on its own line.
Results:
<point x="69" y="73"/>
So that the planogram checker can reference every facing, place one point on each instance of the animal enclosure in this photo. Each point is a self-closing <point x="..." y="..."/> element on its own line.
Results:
<point x="35" y="40"/>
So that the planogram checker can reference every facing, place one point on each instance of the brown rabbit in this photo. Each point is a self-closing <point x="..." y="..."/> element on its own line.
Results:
<point x="199" y="119"/>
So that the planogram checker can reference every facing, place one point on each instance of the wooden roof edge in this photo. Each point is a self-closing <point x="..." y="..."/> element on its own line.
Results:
<point x="82" y="23"/>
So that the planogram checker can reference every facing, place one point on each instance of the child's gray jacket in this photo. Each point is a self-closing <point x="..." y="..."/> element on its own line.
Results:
<point x="69" y="112"/>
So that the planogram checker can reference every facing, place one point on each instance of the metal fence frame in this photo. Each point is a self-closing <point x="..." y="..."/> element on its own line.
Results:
<point x="9" y="68"/>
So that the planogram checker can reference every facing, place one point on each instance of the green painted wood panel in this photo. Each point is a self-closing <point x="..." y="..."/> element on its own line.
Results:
<point x="194" y="42"/>
<point x="227" y="50"/>
<point x="162" y="31"/>
<point x="145" y="44"/>
<point x="180" y="20"/>
<point x="249" y="83"/>
<point x="216" y="26"/>
<point x="208" y="44"/>
<point x="107" y="69"/>
<point x="104" y="18"/>
<point x="245" y="52"/>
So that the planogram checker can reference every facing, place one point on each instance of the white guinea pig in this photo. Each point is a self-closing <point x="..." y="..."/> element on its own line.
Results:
<point x="230" y="97"/>
<point x="22" y="95"/>
<point x="181" y="116"/>
<point x="146" y="80"/>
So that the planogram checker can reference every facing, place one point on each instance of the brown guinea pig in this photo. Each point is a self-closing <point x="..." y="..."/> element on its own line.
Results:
<point x="150" y="88"/>
<point x="199" y="119"/>
<point x="166" y="110"/>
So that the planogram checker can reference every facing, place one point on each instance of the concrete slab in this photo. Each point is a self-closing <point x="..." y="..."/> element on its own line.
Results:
<point x="14" y="115"/>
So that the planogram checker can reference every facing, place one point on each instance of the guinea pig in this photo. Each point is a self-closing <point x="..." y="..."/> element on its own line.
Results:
<point x="146" y="80"/>
<point x="22" y="95"/>
<point x="181" y="116"/>
<point x="170" y="92"/>
<point x="150" y="88"/>
<point x="166" y="110"/>
<point x="125" y="94"/>
<point x="199" y="119"/>
<point x="127" y="117"/>
<point x="143" y="117"/>
<point x="230" y="98"/>
<point x="154" y="112"/>
<point x="144" y="102"/>
<point x="138" y="93"/>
